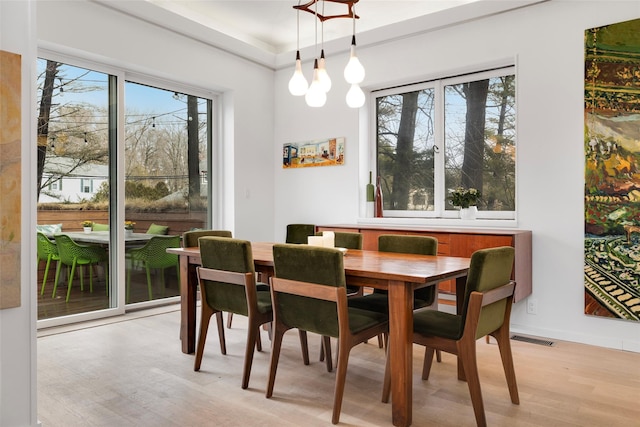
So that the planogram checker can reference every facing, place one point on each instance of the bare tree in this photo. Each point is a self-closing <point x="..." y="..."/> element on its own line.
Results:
<point x="472" y="165"/>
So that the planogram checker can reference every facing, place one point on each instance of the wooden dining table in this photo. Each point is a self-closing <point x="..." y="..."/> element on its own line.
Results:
<point x="399" y="274"/>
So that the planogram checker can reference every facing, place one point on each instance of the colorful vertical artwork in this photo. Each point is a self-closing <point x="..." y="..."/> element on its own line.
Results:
<point x="327" y="152"/>
<point x="612" y="171"/>
<point x="10" y="174"/>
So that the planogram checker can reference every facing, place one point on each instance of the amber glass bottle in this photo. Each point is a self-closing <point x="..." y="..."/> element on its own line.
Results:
<point x="378" y="207"/>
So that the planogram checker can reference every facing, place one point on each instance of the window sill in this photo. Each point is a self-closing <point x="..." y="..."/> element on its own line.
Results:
<point x="440" y="222"/>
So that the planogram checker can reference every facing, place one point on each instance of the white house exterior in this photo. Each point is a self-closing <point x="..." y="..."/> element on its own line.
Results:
<point x="71" y="183"/>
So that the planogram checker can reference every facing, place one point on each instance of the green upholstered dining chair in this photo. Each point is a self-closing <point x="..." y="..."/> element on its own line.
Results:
<point x="405" y="244"/>
<point x="344" y="239"/>
<point x="298" y="233"/>
<point x="485" y="311"/>
<point x="308" y="292"/>
<point x="348" y="240"/>
<point x="153" y="256"/>
<point x="190" y="238"/>
<point x="228" y="283"/>
<point x="76" y="255"/>
<point x="47" y="251"/>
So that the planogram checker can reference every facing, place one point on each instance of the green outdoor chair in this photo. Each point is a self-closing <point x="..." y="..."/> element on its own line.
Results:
<point x="99" y="227"/>
<point x="309" y="293"/>
<point x="228" y="283"/>
<point x="298" y="233"/>
<point x="47" y="251"/>
<point x="153" y="255"/>
<point x="486" y="310"/>
<point x="73" y="254"/>
<point x="190" y="238"/>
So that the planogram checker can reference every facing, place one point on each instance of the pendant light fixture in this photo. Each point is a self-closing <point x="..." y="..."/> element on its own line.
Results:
<point x="298" y="84"/>
<point x="354" y="71"/>
<point x="316" y="96"/>
<point x="325" y="80"/>
<point x="316" y="93"/>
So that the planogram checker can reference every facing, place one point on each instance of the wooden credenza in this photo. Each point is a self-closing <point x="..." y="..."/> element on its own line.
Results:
<point x="458" y="242"/>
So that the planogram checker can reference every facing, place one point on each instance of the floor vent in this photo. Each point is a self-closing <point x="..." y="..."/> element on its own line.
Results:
<point x="533" y="340"/>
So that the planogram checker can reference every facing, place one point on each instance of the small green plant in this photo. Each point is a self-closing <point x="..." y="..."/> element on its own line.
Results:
<point x="128" y="225"/>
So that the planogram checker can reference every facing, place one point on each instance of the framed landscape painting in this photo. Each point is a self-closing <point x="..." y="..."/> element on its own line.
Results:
<point x="326" y="152"/>
<point x="612" y="171"/>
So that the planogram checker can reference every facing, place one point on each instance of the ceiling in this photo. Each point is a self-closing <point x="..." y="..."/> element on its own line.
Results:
<point x="265" y="31"/>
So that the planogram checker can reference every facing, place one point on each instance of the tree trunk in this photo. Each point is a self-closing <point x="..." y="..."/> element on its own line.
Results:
<point x="476" y="96"/>
<point x="43" y="118"/>
<point x="404" y="152"/>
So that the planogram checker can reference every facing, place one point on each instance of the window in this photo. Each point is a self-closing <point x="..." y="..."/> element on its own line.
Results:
<point x="86" y="185"/>
<point x="436" y="136"/>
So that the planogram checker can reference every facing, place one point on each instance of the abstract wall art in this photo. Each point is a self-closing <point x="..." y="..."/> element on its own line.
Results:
<point x="612" y="171"/>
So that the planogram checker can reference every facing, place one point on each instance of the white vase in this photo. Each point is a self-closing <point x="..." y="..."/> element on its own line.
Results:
<point x="469" y="213"/>
<point x="87" y="229"/>
<point x="128" y="232"/>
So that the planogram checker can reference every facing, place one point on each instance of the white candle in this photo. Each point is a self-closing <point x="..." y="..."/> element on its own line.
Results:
<point x="315" y="241"/>
<point x="328" y="239"/>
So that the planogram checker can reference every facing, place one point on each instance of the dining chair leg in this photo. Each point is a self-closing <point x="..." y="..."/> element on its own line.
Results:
<point x="229" y="320"/>
<point x="325" y="349"/>
<point x="275" y="356"/>
<point x="426" y="364"/>
<point x="258" y="341"/>
<point x="253" y="335"/>
<point x="202" y="338"/>
<point x="467" y="356"/>
<point x="304" y="346"/>
<point x="386" y="384"/>
<point x="341" y="376"/>
<point x="223" y="341"/>
<point x="504" y="345"/>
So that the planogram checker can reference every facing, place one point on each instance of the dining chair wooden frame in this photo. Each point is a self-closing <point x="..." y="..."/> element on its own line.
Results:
<point x="349" y="335"/>
<point x="465" y="349"/>
<point x="256" y="318"/>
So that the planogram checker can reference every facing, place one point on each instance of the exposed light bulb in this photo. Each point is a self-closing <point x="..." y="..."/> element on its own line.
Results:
<point x="354" y="71"/>
<point x="325" y="80"/>
<point x="298" y="85"/>
<point x="316" y="96"/>
<point x="355" y="97"/>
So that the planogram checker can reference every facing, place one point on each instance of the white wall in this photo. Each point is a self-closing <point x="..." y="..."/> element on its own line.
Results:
<point x="17" y="325"/>
<point x="113" y="38"/>
<point x="546" y="43"/>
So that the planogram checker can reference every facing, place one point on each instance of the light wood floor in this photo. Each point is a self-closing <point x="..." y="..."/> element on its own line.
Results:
<point x="130" y="372"/>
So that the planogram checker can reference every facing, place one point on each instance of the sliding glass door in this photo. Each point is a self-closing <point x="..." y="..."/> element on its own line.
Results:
<point x="123" y="170"/>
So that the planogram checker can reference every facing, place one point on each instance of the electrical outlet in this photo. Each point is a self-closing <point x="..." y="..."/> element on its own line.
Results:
<point x="532" y="306"/>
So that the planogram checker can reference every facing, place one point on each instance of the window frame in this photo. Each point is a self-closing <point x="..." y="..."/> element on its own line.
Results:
<point x="439" y="84"/>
